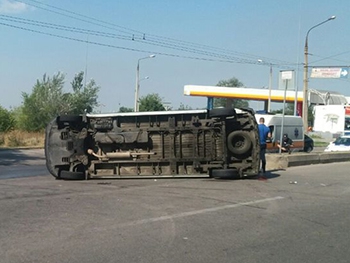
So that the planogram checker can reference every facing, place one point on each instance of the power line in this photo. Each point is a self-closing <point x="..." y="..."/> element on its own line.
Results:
<point x="96" y="33"/>
<point x="120" y="47"/>
<point x="149" y="38"/>
<point x="89" y="20"/>
<point x="61" y="27"/>
<point x="332" y="57"/>
<point x="123" y="37"/>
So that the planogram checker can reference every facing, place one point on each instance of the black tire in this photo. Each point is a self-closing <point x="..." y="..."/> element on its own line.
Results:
<point x="70" y="118"/>
<point x="67" y="175"/>
<point x="221" y="112"/>
<point x="239" y="142"/>
<point x="308" y="149"/>
<point x="225" y="174"/>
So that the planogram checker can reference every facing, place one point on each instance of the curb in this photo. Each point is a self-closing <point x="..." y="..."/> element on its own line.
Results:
<point x="283" y="161"/>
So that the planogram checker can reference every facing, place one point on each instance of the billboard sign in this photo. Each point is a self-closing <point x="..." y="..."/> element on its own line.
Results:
<point x="286" y="80"/>
<point x="330" y="72"/>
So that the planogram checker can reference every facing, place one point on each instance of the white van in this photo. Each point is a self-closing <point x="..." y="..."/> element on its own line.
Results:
<point x="292" y="125"/>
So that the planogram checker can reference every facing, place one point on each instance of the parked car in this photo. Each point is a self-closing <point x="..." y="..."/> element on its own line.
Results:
<point x="308" y="144"/>
<point x="341" y="144"/>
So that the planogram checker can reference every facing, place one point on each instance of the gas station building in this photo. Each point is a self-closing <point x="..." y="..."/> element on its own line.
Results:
<point x="316" y="97"/>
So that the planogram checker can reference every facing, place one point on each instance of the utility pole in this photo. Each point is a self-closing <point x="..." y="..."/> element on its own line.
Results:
<point x="306" y="80"/>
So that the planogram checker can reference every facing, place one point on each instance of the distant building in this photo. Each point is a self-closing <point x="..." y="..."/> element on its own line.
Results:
<point x="316" y="97"/>
<point x="321" y="97"/>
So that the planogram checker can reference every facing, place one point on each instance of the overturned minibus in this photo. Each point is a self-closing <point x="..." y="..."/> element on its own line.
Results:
<point x="219" y="143"/>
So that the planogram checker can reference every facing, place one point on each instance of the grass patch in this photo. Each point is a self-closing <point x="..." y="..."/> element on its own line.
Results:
<point x="315" y="136"/>
<point x="22" y="139"/>
<point x="320" y="144"/>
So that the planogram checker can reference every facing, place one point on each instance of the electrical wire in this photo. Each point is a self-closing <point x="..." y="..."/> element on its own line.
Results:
<point x="152" y="39"/>
<point x="123" y="37"/>
<point x="118" y="47"/>
<point x="331" y="57"/>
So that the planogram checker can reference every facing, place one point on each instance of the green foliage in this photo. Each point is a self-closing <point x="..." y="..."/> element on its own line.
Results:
<point x="315" y="136"/>
<point x="151" y="102"/>
<point x="232" y="82"/>
<point x="311" y="117"/>
<point x="125" y="109"/>
<point x="184" y="107"/>
<point x="2" y="138"/>
<point x="48" y="100"/>
<point x="289" y="110"/>
<point x="44" y="103"/>
<point x="7" y="121"/>
<point x="223" y="102"/>
<point x="18" y="117"/>
<point x="84" y="98"/>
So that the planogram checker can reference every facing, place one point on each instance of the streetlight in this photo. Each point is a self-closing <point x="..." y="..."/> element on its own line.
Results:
<point x="270" y="86"/>
<point x="305" y="89"/>
<point x="137" y="88"/>
<point x="144" y="78"/>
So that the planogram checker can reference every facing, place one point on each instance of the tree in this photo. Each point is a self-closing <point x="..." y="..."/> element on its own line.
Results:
<point x="7" y="121"/>
<point x="48" y="100"/>
<point x="223" y="102"/>
<point x="311" y="116"/>
<point x="44" y="103"/>
<point x="184" y="107"/>
<point x="125" y="109"/>
<point x="288" y="110"/>
<point x="18" y="116"/>
<point x="84" y="98"/>
<point x="151" y="102"/>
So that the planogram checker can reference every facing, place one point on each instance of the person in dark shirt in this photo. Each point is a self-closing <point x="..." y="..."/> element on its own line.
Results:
<point x="287" y="143"/>
<point x="264" y="133"/>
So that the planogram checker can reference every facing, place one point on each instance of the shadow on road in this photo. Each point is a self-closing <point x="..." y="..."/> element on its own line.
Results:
<point x="10" y="157"/>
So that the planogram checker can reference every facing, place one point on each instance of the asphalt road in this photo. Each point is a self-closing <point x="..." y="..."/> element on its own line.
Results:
<point x="17" y="163"/>
<point x="178" y="220"/>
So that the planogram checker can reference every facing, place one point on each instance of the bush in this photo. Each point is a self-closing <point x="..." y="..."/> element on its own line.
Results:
<point x="18" y="138"/>
<point x="2" y="139"/>
<point x="7" y="121"/>
<point x="14" y="139"/>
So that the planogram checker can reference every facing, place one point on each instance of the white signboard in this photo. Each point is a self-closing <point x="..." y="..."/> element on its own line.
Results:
<point x="286" y="80"/>
<point x="286" y="75"/>
<point x="331" y="72"/>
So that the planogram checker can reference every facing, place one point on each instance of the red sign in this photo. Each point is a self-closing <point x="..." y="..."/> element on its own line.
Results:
<point x="347" y="110"/>
<point x="299" y="108"/>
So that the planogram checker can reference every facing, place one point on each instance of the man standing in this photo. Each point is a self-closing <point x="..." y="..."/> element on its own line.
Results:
<point x="264" y="133"/>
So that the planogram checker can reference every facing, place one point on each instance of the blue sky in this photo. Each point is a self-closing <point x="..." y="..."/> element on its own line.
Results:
<point x="195" y="42"/>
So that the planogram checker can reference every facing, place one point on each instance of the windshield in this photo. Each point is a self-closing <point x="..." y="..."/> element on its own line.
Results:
<point x="347" y="123"/>
<point x="342" y="141"/>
